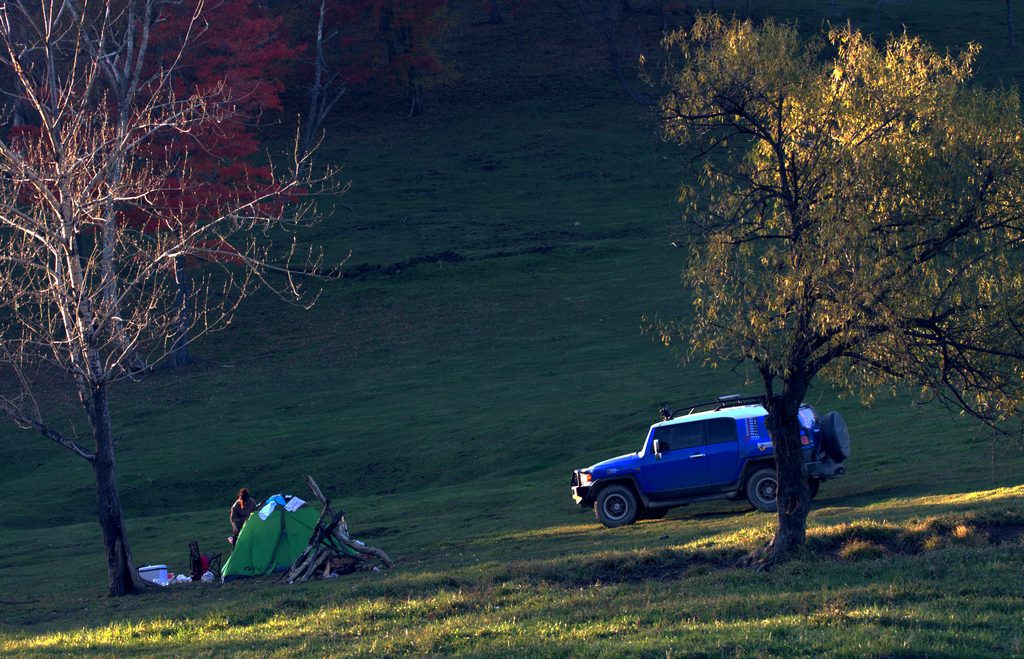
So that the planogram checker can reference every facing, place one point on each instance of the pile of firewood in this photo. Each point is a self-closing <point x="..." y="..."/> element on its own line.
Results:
<point x="331" y="550"/>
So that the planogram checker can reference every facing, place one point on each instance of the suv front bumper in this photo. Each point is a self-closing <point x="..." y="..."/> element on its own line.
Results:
<point x="581" y="494"/>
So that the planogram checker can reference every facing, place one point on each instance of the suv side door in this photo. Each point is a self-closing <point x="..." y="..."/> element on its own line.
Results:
<point x="680" y="470"/>
<point x="723" y="450"/>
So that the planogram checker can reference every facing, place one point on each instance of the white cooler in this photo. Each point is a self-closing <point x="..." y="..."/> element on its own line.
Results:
<point x="153" y="572"/>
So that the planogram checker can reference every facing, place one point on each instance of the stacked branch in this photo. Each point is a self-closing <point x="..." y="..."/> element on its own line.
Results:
<point x="331" y="549"/>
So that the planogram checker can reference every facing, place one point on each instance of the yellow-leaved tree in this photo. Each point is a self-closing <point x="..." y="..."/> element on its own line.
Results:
<point x="859" y="218"/>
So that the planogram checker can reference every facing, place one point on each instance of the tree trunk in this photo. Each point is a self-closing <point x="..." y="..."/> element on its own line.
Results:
<point x="793" y="494"/>
<point x="121" y="571"/>
<point x="309" y="131"/>
<point x="399" y="42"/>
<point x="415" y="95"/>
<point x="179" y="355"/>
<point x="325" y="90"/>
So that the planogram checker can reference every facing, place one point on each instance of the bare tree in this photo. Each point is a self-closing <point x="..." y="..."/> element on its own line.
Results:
<point x="84" y="294"/>
<point x="326" y="89"/>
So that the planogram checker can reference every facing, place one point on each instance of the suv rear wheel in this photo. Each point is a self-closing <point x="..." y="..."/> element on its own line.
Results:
<point x="763" y="489"/>
<point x="615" y="506"/>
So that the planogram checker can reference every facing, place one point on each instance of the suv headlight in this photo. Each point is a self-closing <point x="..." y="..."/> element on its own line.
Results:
<point x="585" y="478"/>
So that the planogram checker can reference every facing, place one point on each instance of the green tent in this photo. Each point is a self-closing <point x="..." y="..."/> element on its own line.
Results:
<point x="270" y="545"/>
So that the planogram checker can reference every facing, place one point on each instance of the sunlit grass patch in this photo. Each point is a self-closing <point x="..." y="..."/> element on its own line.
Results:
<point x="138" y="635"/>
<point x="950" y="501"/>
<point x="866" y="537"/>
<point x="859" y="550"/>
<point x="741" y="538"/>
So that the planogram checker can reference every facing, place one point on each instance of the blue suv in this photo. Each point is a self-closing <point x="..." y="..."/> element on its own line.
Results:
<point x="716" y="450"/>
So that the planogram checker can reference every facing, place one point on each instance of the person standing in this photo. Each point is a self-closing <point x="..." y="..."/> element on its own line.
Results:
<point x="243" y="506"/>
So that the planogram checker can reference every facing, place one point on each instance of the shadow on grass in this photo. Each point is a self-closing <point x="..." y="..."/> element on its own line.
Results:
<point x="855" y="541"/>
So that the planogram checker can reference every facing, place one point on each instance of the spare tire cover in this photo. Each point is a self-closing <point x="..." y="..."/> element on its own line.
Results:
<point x="835" y="436"/>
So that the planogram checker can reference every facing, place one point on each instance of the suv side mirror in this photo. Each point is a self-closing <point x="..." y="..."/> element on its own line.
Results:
<point x="660" y="446"/>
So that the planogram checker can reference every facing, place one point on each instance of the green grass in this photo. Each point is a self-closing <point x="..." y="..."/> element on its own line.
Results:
<point x="947" y="584"/>
<point x="485" y="341"/>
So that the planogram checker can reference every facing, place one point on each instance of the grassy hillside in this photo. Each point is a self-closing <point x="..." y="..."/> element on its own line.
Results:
<point x="485" y="340"/>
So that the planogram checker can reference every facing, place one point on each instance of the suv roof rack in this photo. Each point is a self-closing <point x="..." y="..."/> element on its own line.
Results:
<point x="722" y="402"/>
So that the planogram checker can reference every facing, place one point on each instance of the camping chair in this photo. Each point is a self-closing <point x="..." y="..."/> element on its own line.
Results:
<point x="200" y="563"/>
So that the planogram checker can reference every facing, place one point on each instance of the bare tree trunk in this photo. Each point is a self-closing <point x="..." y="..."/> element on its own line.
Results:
<point x="1009" y="23"/>
<point x="415" y="95"/>
<point x="121" y="571"/>
<point x="399" y="42"/>
<point x="324" y="92"/>
<point x="315" y="88"/>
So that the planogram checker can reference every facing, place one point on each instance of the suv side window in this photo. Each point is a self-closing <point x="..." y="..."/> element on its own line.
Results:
<point x="681" y="435"/>
<point x="721" y="431"/>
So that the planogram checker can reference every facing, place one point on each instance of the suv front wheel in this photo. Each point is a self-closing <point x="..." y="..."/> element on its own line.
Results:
<point x="615" y="506"/>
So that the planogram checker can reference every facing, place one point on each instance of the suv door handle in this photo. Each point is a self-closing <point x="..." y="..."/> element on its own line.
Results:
<point x="697" y="455"/>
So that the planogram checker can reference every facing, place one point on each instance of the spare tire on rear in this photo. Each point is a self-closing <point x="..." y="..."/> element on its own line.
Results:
<point x="835" y="436"/>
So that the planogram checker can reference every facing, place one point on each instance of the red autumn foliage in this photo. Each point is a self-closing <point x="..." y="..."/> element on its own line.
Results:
<point x="238" y="53"/>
